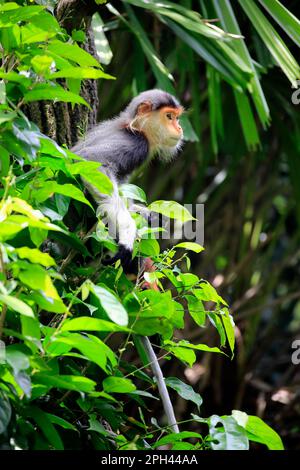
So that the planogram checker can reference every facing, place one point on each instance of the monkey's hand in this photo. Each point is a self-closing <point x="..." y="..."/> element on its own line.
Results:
<point x="142" y="210"/>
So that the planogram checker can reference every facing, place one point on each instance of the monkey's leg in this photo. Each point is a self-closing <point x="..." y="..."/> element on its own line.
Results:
<point x="120" y="223"/>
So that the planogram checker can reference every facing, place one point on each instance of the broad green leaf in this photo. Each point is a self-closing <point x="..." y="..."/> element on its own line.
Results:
<point x="185" y="344"/>
<point x="9" y="228"/>
<point x="74" y="53"/>
<point x="13" y="16"/>
<point x="46" y="427"/>
<point x="16" y="358"/>
<point x="31" y="330"/>
<point x="37" y="278"/>
<point x="90" y="172"/>
<point x="228" y="324"/>
<point x="35" y="256"/>
<point x="69" y="382"/>
<point x="183" y="354"/>
<point x="49" y="304"/>
<point x="208" y="293"/>
<point x="171" y="209"/>
<point x="230" y="436"/>
<point x="81" y="73"/>
<point x="149" y="247"/>
<point x="131" y="191"/>
<point x="91" y="324"/>
<point x="184" y="390"/>
<point x="118" y="385"/>
<point x="259" y="431"/>
<point x="52" y="92"/>
<point x="41" y="64"/>
<point x="60" y="422"/>
<point x="103" y="49"/>
<point x="51" y="187"/>
<point x="17" y="305"/>
<point x="90" y="346"/>
<point x="112" y="306"/>
<point x="196" y="309"/>
<point x="170" y="438"/>
<point x="192" y="246"/>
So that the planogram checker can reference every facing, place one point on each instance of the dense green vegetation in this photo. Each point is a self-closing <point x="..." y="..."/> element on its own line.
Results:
<point x="71" y="361"/>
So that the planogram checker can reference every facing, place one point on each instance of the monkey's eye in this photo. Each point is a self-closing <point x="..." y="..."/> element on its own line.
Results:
<point x="169" y="116"/>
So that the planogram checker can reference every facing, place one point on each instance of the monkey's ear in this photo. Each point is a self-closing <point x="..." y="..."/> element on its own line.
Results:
<point x="144" y="108"/>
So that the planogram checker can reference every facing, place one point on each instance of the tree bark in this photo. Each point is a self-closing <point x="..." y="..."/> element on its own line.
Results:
<point x="64" y="122"/>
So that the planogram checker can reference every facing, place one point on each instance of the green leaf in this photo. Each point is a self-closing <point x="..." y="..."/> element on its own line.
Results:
<point x="73" y="52"/>
<point x="230" y="436"/>
<point x="259" y="431"/>
<point x="91" y="324"/>
<point x="69" y="382"/>
<point x="90" y="346"/>
<point x="289" y="22"/>
<point x="171" y="209"/>
<point x="228" y="324"/>
<point x="4" y="160"/>
<point x="52" y="92"/>
<point x="196" y="309"/>
<point x="118" y="385"/>
<point x="272" y="41"/>
<point x="103" y="49"/>
<point x="131" y="191"/>
<point x="60" y="422"/>
<point x="183" y="354"/>
<point x="51" y="187"/>
<point x="35" y="256"/>
<point x="208" y="293"/>
<point x="171" y="438"/>
<point x="81" y="73"/>
<point x="247" y="120"/>
<point x="46" y="427"/>
<point x="184" y="390"/>
<point x="41" y="64"/>
<point x="192" y="246"/>
<point x="17" y="305"/>
<point x="16" y="358"/>
<point x="185" y="344"/>
<point x="229" y="23"/>
<point x="13" y="16"/>
<point x="112" y="306"/>
<point x="36" y="277"/>
<point x="220" y="56"/>
<point x="91" y="173"/>
<point x="149" y="247"/>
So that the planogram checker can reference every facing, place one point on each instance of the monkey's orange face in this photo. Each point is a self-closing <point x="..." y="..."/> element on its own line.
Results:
<point x="169" y="119"/>
<point x="161" y="127"/>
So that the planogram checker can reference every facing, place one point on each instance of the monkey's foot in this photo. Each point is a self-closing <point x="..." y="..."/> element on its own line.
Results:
<point x="124" y="255"/>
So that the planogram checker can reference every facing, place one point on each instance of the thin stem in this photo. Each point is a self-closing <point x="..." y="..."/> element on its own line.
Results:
<point x="162" y="388"/>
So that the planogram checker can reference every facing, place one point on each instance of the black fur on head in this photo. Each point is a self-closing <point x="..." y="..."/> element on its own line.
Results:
<point x="158" y="99"/>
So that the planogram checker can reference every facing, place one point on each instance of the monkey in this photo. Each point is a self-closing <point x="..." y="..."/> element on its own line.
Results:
<point x="148" y="127"/>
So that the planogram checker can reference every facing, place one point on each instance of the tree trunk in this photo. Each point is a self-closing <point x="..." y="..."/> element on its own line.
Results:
<point x="65" y="122"/>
